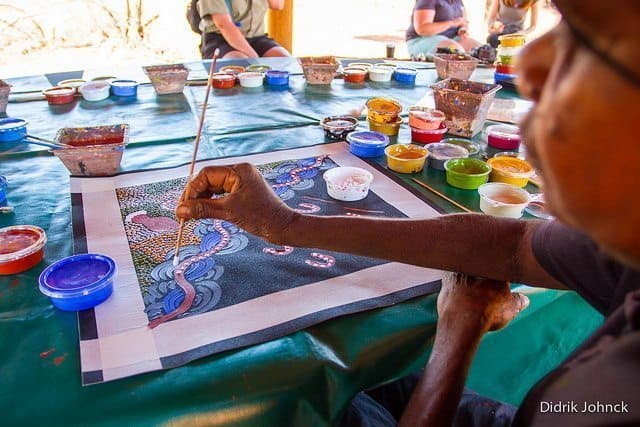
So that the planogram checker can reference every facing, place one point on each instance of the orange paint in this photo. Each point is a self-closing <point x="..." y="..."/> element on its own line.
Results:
<point x="58" y="360"/>
<point x="47" y="353"/>
<point x="409" y="155"/>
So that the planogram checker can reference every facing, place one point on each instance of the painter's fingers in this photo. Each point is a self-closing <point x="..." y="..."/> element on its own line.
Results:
<point x="517" y="303"/>
<point x="203" y="208"/>
<point x="214" y="180"/>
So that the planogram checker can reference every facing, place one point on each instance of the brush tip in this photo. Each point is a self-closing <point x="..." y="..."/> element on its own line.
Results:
<point x="216" y="52"/>
<point x="176" y="260"/>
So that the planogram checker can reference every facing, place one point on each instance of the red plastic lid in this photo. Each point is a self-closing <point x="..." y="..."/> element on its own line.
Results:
<point x="20" y="241"/>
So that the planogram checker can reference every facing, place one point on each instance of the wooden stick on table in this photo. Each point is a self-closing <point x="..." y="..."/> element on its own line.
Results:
<point x="176" y="257"/>
<point x="453" y="202"/>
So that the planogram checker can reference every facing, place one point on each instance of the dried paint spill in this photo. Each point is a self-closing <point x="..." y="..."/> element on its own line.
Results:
<point x="47" y="353"/>
<point x="58" y="360"/>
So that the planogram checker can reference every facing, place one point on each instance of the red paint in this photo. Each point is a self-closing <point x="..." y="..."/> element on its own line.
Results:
<point x="26" y="243"/>
<point x="117" y="139"/>
<point x="59" y="95"/>
<point x="425" y="136"/>
<point x="223" y="81"/>
<point x="505" y="69"/>
<point x="354" y="75"/>
<point x="58" y="360"/>
<point x="47" y="353"/>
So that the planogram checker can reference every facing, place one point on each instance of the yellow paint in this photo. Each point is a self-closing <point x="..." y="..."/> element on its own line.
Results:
<point x="405" y="158"/>
<point x="383" y="110"/>
<point x="510" y="170"/>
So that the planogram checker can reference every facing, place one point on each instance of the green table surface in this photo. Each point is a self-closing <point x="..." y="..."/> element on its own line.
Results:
<point x="306" y="378"/>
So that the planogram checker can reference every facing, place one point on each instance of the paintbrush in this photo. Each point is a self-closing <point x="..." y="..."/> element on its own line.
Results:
<point x="434" y="191"/>
<point x="46" y="142"/>
<point x="185" y="195"/>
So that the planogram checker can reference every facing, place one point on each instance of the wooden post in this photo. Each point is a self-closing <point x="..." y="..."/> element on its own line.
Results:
<point x="280" y="25"/>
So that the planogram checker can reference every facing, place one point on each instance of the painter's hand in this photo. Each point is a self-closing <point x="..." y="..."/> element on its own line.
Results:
<point x="248" y="201"/>
<point x="489" y="302"/>
<point x="496" y="28"/>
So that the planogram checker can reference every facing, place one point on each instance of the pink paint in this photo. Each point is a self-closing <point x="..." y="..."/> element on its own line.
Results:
<point x="504" y="137"/>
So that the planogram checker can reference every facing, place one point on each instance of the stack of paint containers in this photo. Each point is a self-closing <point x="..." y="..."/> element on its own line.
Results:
<point x="383" y="115"/>
<point x="508" y="51"/>
<point x="427" y="125"/>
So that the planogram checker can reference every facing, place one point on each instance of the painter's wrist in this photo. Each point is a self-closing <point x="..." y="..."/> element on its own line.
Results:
<point x="472" y="323"/>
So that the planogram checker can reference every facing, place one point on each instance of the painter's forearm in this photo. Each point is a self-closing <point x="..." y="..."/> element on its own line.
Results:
<point x="236" y="40"/>
<point x="435" y="399"/>
<point x="466" y="243"/>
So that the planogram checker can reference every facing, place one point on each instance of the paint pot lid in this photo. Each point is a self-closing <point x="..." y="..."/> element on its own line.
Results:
<point x="20" y="241"/>
<point x="277" y="73"/>
<point x="368" y="139"/>
<point x="77" y="276"/>
<point x="9" y="124"/>
<point x="94" y="86"/>
<point x="124" y="83"/>
<point x="407" y="71"/>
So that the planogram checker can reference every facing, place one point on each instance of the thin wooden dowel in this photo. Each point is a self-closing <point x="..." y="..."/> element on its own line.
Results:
<point x="185" y="195"/>
<point x="436" y="192"/>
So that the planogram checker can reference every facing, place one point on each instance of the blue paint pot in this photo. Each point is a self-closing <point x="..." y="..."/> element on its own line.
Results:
<point x="3" y="189"/>
<point x="78" y="282"/>
<point x="367" y="143"/>
<point x="277" y="78"/>
<point x="12" y="129"/>
<point x="124" y="87"/>
<point x="405" y="75"/>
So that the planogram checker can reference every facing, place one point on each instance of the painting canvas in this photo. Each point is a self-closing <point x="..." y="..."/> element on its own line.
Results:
<point x="161" y="316"/>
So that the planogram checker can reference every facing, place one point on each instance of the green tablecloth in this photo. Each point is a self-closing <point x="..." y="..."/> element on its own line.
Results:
<point x="305" y="378"/>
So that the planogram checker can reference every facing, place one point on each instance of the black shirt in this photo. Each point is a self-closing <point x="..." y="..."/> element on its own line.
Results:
<point x="599" y="384"/>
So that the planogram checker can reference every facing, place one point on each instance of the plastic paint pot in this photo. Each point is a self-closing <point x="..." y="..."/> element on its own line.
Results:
<point x="507" y="80"/>
<point x="512" y="40"/>
<point x="467" y="174"/>
<point x="425" y="118"/>
<point x="407" y="158"/>
<point x="258" y="68"/>
<point x="95" y="91"/>
<point x="367" y="143"/>
<point x="20" y="248"/>
<point x="337" y="127"/>
<point x="537" y="207"/>
<point x="504" y="137"/>
<point x="383" y="110"/>
<point x="440" y="152"/>
<point x="74" y="83"/>
<point x="78" y="282"/>
<point x="354" y="75"/>
<point x="251" y="79"/>
<point x="380" y="74"/>
<point x="502" y="200"/>
<point x="59" y="95"/>
<point x="124" y="87"/>
<point x="505" y="69"/>
<point x="232" y="69"/>
<point x="386" y="65"/>
<point x="425" y="136"/>
<point x="405" y="75"/>
<point x="348" y="183"/>
<point x="12" y="129"/>
<point x="510" y="170"/>
<point x="108" y="79"/>
<point x="467" y="144"/>
<point x="509" y="154"/>
<point x="3" y="189"/>
<point x="223" y="80"/>
<point x="277" y="78"/>
<point x="364" y="65"/>
<point x="391" y="129"/>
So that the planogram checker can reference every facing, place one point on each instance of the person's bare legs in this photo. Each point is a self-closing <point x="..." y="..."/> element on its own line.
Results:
<point x="235" y="54"/>
<point x="468" y="43"/>
<point x="276" y="51"/>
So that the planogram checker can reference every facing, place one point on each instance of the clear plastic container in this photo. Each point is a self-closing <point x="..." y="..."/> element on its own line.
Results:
<point x="348" y="183"/>
<point x="454" y="65"/>
<point x="319" y="70"/>
<point x="21" y="248"/>
<point x="510" y="170"/>
<point x="440" y="152"/>
<point x="502" y="200"/>
<point x="406" y="158"/>
<point x="78" y="282"/>
<point x="167" y="79"/>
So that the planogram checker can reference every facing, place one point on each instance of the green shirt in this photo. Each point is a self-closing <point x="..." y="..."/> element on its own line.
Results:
<point x="249" y="13"/>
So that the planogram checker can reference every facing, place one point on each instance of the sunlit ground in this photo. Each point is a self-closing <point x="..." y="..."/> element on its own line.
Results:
<point x="39" y="36"/>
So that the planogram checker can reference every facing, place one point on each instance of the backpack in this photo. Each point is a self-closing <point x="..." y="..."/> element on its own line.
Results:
<point x="193" y="17"/>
